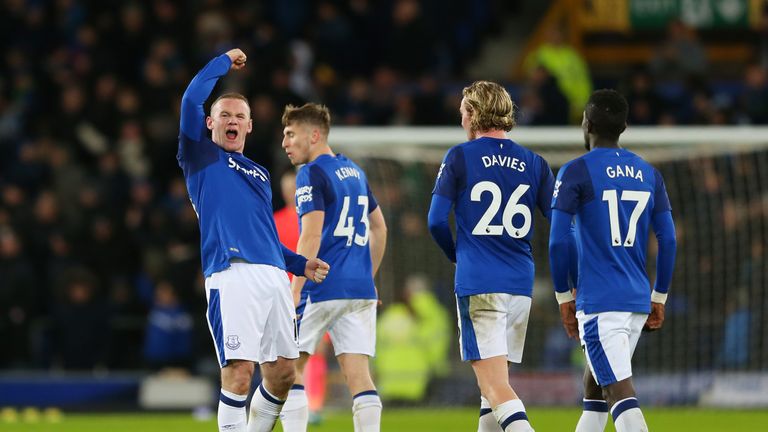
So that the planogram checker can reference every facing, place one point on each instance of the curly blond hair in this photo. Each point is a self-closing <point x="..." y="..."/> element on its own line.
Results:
<point x="490" y="105"/>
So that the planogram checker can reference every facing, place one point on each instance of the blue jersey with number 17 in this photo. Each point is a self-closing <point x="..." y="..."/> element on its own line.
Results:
<point x="494" y="184"/>
<point x="613" y="194"/>
<point x="338" y="187"/>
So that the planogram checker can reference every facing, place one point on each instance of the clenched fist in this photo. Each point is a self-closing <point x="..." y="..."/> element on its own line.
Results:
<point x="238" y="58"/>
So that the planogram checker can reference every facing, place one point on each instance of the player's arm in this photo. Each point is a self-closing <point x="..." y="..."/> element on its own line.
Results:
<point x="450" y="180"/>
<point x="308" y="245"/>
<point x="439" y="210"/>
<point x="664" y="227"/>
<point x="560" y="240"/>
<point x="573" y="186"/>
<point x="199" y="89"/>
<point x="544" y="202"/>
<point x="294" y="262"/>
<point x="560" y="235"/>
<point x="378" y="240"/>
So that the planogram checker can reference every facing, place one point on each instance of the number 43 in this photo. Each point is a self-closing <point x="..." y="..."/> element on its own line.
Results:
<point x="346" y="225"/>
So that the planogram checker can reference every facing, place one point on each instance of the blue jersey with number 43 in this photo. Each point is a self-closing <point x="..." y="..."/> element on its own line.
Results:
<point x="338" y="187"/>
<point x="613" y="194"/>
<point x="494" y="184"/>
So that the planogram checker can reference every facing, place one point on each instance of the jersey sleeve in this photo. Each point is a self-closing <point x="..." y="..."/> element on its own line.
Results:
<point x="573" y="187"/>
<point x="311" y="190"/>
<point x="560" y="249"/>
<point x="194" y="152"/>
<point x="437" y="220"/>
<point x="294" y="262"/>
<point x="372" y="203"/>
<point x="546" y="188"/>
<point x="660" y="197"/>
<point x="192" y="122"/>
<point x="450" y="177"/>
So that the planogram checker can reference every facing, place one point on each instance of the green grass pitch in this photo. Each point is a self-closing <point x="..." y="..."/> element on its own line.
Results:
<point x="400" y="420"/>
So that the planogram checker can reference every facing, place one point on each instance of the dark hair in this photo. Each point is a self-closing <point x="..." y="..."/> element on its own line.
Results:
<point x="606" y="111"/>
<point x="309" y="113"/>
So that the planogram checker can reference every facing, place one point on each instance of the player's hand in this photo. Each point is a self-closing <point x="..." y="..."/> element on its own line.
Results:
<point x="656" y="318"/>
<point x="238" y="58"/>
<point x="568" y="316"/>
<point x="379" y="303"/>
<point x="316" y="270"/>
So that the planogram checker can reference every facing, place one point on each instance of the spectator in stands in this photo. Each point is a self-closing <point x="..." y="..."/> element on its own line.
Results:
<point x="567" y="66"/>
<point x="734" y="348"/>
<point x="409" y="44"/>
<point x="80" y="330"/>
<point x="168" y="338"/>
<point x="644" y="102"/>
<point x="19" y="302"/>
<point x="543" y="103"/>
<point x="754" y="98"/>
<point x="680" y="56"/>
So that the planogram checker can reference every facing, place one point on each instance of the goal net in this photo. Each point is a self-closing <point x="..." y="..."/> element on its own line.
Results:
<point x="717" y="179"/>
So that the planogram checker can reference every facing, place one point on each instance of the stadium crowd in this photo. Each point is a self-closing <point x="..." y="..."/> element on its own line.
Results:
<point x="96" y="230"/>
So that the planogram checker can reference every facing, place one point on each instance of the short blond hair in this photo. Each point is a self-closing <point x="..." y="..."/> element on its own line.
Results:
<point x="232" y="95"/>
<point x="309" y="113"/>
<point x="490" y="105"/>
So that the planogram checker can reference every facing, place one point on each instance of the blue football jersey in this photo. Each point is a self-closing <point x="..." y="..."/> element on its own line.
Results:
<point x="338" y="187"/>
<point x="613" y="194"/>
<point x="231" y="194"/>
<point x="494" y="184"/>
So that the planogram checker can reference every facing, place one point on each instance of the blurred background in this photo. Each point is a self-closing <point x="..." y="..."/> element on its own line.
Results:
<point x="101" y="297"/>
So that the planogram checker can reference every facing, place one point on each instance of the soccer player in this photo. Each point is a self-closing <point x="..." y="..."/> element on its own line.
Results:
<point x="316" y="369"/>
<point x="250" y="312"/>
<point x="493" y="184"/>
<point x="614" y="196"/>
<point x="340" y="221"/>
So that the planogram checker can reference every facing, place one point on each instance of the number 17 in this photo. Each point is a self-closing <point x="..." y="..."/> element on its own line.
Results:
<point x="641" y="197"/>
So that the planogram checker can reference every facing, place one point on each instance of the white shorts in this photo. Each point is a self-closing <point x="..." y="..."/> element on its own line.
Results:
<point x="492" y="325"/>
<point x="351" y="324"/>
<point x="250" y="313"/>
<point x="609" y="340"/>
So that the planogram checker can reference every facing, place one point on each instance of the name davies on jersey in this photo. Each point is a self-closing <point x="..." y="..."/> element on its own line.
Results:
<point x="255" y="172"/>
<point x="346" y="172"/>
<point x="626" y="171"/>
<point x="503" y="161"/>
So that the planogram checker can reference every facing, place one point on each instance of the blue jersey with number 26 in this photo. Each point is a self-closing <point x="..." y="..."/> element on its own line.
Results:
<point x="494" y="184"/>
<point x="613" y="194"/>
<point x="338" y="187"/>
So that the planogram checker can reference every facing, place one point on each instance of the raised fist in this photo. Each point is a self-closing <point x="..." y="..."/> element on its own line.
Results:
<point x="238" y="58"/>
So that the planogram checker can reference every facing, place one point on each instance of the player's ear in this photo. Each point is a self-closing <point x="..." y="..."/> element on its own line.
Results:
<point x="250" y="125"/>
<point x="623" y="128"/>
<point x="315" y="135"/>
<point x="209" y="123"/>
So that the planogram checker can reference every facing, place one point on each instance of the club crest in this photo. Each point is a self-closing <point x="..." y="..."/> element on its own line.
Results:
<point x="233" y="342"/>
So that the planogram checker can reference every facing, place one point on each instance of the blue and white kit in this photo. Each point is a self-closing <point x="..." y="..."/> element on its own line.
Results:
<point x="614" y="197"/>
<point x="345" y="303"/>
<point x="493" y="185"/>
<point x="233" y="200"/>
